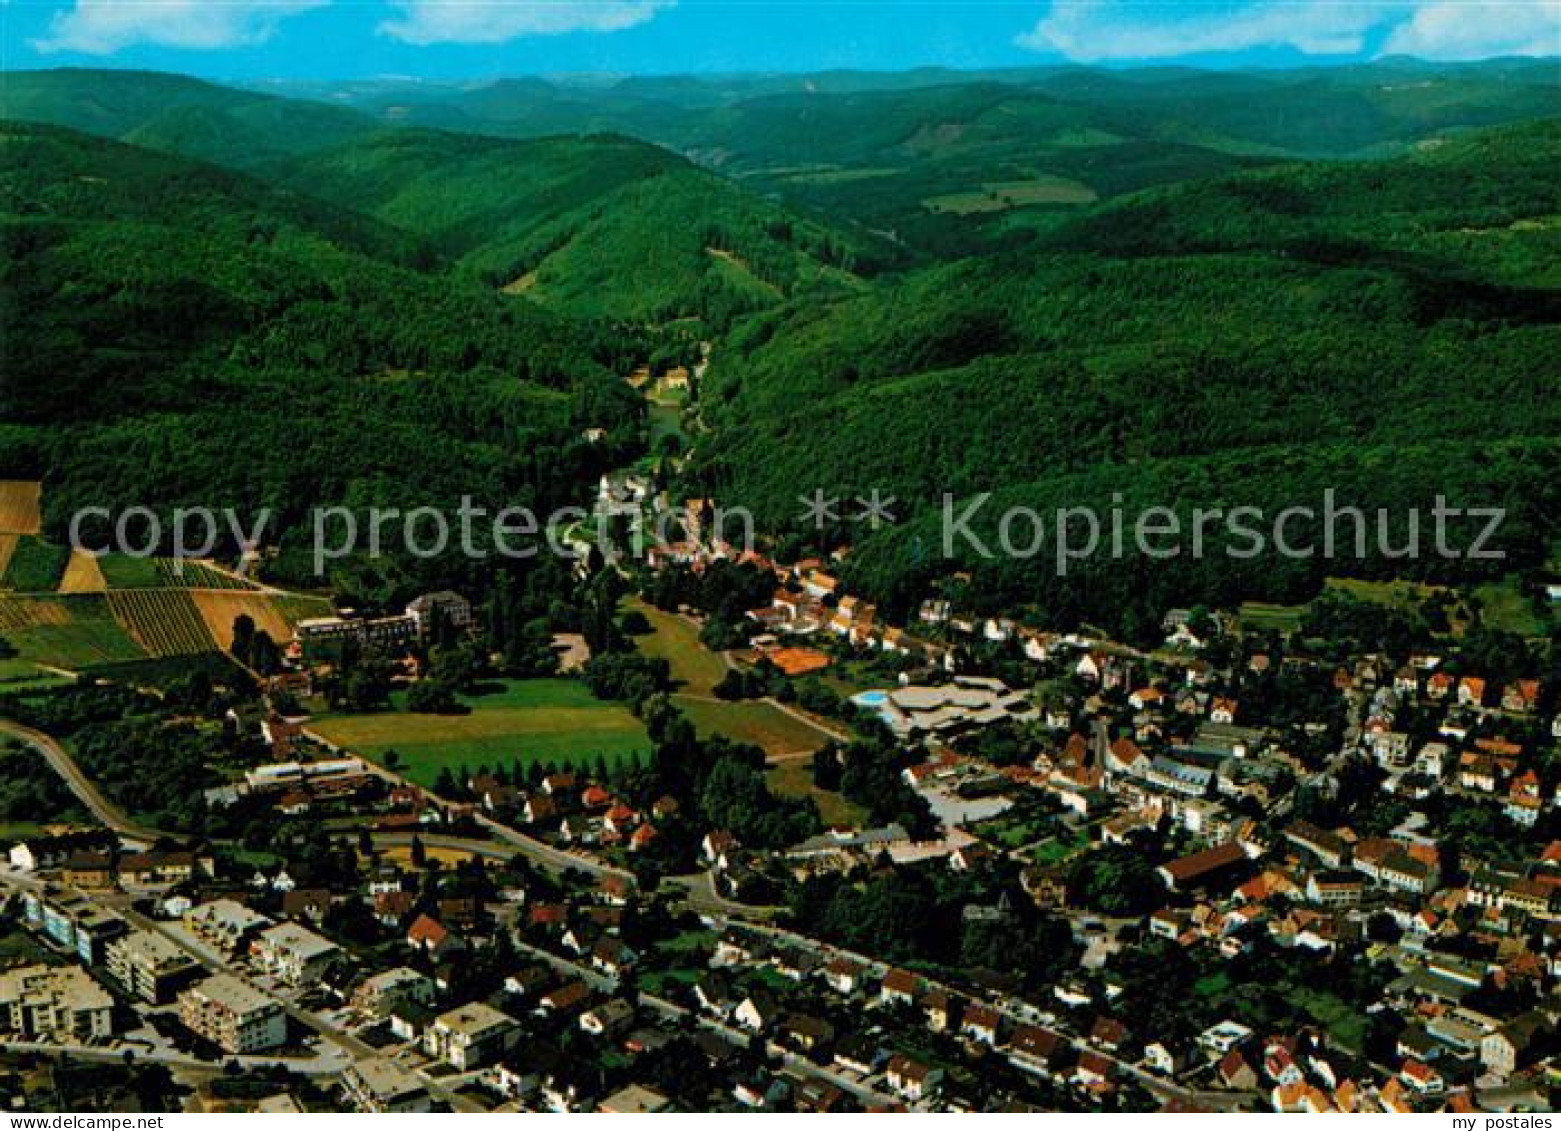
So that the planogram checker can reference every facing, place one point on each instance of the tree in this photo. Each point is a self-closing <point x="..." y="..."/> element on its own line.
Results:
<point x="419" y="853"/>
<point x="433" y="697"/>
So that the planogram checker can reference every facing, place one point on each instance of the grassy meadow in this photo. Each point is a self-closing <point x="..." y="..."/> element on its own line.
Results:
<point x="539" y="720"/>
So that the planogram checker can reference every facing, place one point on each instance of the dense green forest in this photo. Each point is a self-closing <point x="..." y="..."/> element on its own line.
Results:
<point x="1384" y="329"/>
<point x="1064" y="286"/>
<point x="602" y="226"/>
<point x="181" y="334"/>
<point x="888" y="151"/>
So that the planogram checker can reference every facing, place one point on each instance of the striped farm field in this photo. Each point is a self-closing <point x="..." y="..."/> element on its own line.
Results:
<point x="65" y="631"/>
<point x="82" y="574"/>
<point x="20" y="510"/>
<point x="164" y="622"/>
<point x="179" y="574"/>
<point x="275" y="616"/>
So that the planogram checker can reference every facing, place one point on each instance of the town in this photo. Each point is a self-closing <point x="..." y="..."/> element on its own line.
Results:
<point x="1255" y="868"/>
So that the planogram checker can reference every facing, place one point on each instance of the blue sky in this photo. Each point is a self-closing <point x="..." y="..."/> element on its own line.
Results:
<point x="247" y="39"/>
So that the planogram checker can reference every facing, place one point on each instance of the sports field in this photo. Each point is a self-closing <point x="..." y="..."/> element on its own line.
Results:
<point x="524" y="721"/>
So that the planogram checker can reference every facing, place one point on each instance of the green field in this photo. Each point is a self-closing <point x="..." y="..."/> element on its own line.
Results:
<point x="999" y="196"/>
<point x="696" y="670"/>
<point x="539" y="720"/>
<point x="1503" y="605"/>
<point x="66" y="632"/>
<point x="752" y="721"/>
<point x="124" y="572"/>
<point x="1258" y="616"/>
<point x="794" y="778"/>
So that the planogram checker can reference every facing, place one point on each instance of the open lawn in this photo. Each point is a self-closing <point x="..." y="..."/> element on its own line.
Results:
<point x="20" y="510"/>
<point x="753" y="721"/>
<point x="695" y="668"/>
<point x="1257" y="616"/>
<point x="524" y="721"/>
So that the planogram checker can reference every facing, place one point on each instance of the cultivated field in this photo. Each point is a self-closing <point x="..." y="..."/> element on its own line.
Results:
<point x="7" y="548"/>
<point x="82" y="574"/>
<point x="20" y="510"/>
<point x="164" y="622"/>
<point x="526" y="721"/>
<point x="276" y="616"/>
<point x="66" y="632"/>
<point x="124" y="572"/>
<point x="176" y="573"/>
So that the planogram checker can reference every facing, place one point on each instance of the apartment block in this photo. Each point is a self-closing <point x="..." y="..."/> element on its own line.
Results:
<point x="150" y="966"/>
<point x="61" y="1003"/>
<point x="233" y="1015"/>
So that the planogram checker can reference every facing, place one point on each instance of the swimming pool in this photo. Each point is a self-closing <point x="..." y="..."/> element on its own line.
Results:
<point x="874" y="699"/>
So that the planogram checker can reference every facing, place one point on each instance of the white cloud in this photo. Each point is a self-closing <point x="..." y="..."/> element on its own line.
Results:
<point x="1446" y="29"/>
<point x="498" y="21"/>
<point x="102" y="27"/>
<point x="1093" y="30"/>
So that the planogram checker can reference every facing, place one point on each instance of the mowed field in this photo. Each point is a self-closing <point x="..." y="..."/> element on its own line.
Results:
<point x="696" y="670"/>
<point x="20" y="506"/>
<point x="524" y="721"/>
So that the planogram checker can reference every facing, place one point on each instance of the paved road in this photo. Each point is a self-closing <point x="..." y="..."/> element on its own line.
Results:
<point x="82" y="786"/>
<point x="555" y="859"/>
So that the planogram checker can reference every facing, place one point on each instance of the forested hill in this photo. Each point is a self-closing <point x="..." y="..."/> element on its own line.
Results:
<point x="178" y="114"/>
<point x="600" y="226"/>
<point x="597" y="226"/>
<point x="180" y="334"/>
<point x="953" y="162"/>
<point x="1387" y="329"/>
